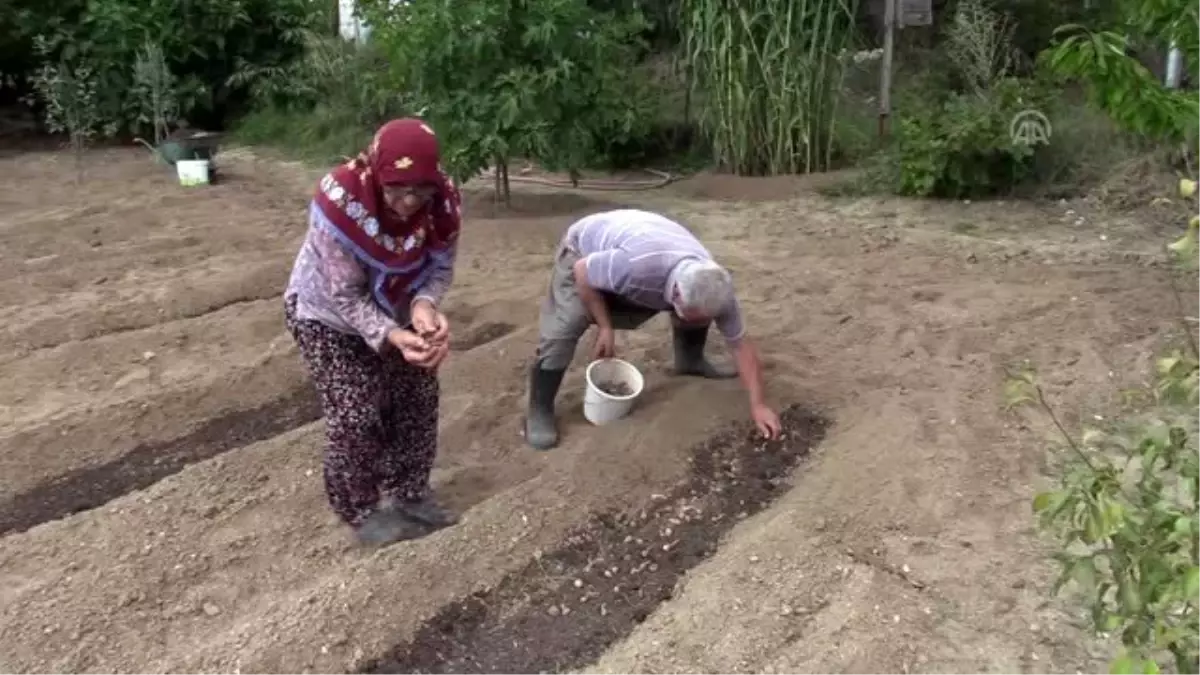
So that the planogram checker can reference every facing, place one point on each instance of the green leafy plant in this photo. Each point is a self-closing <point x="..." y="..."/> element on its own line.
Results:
<point x="1117" y="82"/>
<point x="962" y="146"/>
<point x="69" y="96"/>
<point x="1124" y="512"/>
<point x="767" y="77"/>
<point x="203" y="44"/>
<point x="546" y="80"/>
<point x="959" y="143"/>
<point x="154" y="86"/>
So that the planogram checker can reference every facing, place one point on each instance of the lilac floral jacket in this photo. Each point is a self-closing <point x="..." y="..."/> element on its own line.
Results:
<point x="330" y="286"/>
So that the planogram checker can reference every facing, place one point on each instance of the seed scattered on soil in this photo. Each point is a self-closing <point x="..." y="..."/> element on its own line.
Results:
<point x="614" y="388"/>
<point x="524" y="624"/>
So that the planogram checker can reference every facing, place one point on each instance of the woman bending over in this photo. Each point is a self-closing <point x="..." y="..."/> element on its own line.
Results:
<point x="362" y="305"/>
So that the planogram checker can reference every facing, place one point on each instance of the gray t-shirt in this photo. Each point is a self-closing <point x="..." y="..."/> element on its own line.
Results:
<point x="634" y="254"/>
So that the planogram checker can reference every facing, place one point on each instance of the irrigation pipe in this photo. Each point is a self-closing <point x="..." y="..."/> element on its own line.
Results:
<point x="663" y="179"/>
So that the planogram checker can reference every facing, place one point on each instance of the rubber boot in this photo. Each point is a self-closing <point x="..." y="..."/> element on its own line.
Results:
<point x="689" y="354"/>
<point x="540" y="429"/>
<point x="387" y="526"/>
<point x="427" y="512"/>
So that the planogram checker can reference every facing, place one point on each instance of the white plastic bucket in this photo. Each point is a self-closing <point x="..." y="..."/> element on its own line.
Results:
<point x="192" y="172"/>
<point x="600" y="407"/>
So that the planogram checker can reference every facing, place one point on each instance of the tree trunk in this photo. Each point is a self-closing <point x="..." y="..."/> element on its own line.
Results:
<point x="497" y="180"/>
<point x="507" y="189"/>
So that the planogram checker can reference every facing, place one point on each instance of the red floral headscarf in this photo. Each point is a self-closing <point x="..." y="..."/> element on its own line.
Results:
<point x="403" y="152"/>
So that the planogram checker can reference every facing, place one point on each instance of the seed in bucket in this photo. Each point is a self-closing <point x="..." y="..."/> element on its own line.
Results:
<point x="615" y="388"/>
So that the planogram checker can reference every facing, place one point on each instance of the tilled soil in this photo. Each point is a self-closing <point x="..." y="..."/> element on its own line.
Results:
<point x="145" y="529"/>
<point x="568" y="605"/>
<point x="146" y="463"/>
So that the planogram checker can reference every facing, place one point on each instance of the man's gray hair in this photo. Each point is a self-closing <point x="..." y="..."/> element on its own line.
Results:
<point x="704" y="287"/>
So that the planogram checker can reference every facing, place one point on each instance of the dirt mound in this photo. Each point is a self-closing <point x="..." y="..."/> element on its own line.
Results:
<point x="566" y="607"/>
<point x="543" y="204"/>
<point x="129" y="363"/>
<point x="480" y="335"/>
<point x="726" y="187"/>
<point x="147" y="463"/>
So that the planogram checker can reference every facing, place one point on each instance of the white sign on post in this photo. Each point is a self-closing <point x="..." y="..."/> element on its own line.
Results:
<point x="350" y="25"/>
<point x="915" y="13"/>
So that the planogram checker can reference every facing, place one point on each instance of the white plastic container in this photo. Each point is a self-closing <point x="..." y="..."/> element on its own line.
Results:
<point x="192" y="172"/>
<point x="600" y="407"/>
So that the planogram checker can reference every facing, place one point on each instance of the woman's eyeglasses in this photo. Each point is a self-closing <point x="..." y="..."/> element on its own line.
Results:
<point x="421" y="192"/>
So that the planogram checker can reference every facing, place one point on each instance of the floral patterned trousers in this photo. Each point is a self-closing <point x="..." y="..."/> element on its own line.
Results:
<point x="381" y="418"/>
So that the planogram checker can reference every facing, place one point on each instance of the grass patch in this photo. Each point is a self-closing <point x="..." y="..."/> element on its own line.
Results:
<point x="321" y="136"/>
<point x="325" y="106"/>
<point x="1086" y="150"/>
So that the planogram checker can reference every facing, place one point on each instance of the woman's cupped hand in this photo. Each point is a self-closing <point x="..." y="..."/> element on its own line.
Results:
<point x="428" y="343"/>
<point x="418" y="350"/>
<point x="429" y="323"/>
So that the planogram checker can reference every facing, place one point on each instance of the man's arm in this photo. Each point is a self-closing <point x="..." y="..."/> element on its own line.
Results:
<point x="730" y="324"/>
<point x="749" y="369"/>
<point x="595" y="304"/>
<point x="603" y="271"/>
<point x="745" y="354"/>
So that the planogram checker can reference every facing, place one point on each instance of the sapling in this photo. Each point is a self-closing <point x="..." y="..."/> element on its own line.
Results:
<point x="70" y="98"/>
<point x="69" y="94"/>
<point x="155" y="86"/>
<point x="1124" y="509"/>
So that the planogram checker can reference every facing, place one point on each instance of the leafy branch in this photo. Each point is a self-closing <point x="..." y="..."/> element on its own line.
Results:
<point x="1120" y="85"/>
<point x="1124" y="510"/>
<point x="155" y="86"/>
<point x="69" y="93"/>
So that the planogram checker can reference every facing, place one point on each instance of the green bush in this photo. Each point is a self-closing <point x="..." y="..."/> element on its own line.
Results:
<point x="962" y="145"/>
<point x="953" y="138"/>
<point x="205" y="44"/>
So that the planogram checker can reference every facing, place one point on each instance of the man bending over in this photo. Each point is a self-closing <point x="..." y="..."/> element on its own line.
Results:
<point x="617" y="270"/>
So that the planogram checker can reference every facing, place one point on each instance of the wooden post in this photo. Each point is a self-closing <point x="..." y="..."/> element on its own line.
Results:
<point x="885" y="68"/>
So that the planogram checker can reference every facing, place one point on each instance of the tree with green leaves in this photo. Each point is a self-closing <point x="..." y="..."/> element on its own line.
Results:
<point x="203" y="44"/>
<point x="546" y="80"/>
<point x="1102" y="58"/>
<point x="1125" y="506"/>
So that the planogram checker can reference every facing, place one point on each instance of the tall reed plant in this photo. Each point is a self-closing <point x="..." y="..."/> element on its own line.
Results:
<point x="767" y="76"/>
